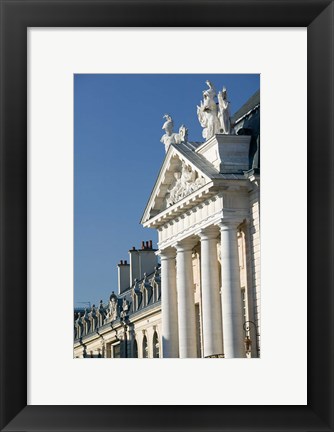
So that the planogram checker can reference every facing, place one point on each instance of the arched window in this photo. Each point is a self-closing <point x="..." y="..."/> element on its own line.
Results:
<point x="156" y="348"/>
<point x="135" y="349"/>
<point x="145" y="347"/>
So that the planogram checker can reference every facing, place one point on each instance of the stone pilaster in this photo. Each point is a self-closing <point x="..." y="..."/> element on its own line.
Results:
<point x="170" y="337"/>
<point x="211" y="302"/>
<point x="231" y="291"/>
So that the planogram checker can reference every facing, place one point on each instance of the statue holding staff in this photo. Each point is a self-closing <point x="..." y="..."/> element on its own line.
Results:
<point x="224" y="112"/>
<point x="207" y="112"/>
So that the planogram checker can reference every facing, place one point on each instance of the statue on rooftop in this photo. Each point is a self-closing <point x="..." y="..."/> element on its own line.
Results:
<point x="170" y="137"/>
<point x="112" y="312"/>
<point x="224" y="112"/>
<point x="79" y="326"/>
<point x="168" y="125"/>
<point x="182" y="136"/>
<point x="125" y="308"/>
<point x="209" y="94"/>
<point x="207" y="112"/>
<point x="101" y="313"/>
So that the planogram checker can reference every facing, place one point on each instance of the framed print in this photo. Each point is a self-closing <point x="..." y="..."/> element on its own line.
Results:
<point x="108" y="337"/>
<point x="21" y="409"/>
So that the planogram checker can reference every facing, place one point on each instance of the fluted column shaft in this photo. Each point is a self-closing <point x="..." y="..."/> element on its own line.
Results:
<point x="231" y="291"/>
<point x="170" y="337"/>
<point x="186" y="300"/>
<point x="211" y="302"/>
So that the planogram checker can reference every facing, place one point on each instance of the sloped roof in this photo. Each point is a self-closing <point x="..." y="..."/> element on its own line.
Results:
<point x="198" y="160"/>
<point x="252" y="102"/>
<point x="203" y="164"/>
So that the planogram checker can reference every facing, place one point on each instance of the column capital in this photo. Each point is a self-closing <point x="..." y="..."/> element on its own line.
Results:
<point x="228" y="224"/>
<point x="210" y="232"/>
<point x="186" y="244"/>
<point x="167" y="253"/>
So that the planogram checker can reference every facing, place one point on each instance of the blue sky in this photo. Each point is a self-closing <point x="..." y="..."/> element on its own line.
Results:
<point x="117" y="157"/>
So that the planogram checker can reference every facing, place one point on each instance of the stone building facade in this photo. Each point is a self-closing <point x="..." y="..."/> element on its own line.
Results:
<point x="129" y="324"/>
<point x="204" y="299"/>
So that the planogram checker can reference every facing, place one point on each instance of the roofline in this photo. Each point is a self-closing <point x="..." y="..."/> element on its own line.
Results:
<point x="247" y="113"/>
<point x="155" y="184"/>
<point x="255" y="96"/>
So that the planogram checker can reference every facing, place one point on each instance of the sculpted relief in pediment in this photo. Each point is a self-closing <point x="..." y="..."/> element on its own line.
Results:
<point x="185" y="182"/>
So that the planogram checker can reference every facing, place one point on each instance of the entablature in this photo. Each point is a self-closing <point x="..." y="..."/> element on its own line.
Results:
<point x="231" y="193"/>
<point x="224" y="205"/>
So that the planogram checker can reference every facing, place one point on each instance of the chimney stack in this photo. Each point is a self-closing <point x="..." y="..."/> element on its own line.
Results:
<point x="142" y="261"/>
<point x="123" y="276"/>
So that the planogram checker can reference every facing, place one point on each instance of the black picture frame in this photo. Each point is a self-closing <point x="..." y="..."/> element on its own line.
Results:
<point x="16" y="17"/>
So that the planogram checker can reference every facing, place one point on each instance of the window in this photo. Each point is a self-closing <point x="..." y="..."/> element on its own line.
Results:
<point x="156" y="348"/>
<point x="117" y="351"/>
<point x="135" y="349"/>
<point x="145" y="347"/>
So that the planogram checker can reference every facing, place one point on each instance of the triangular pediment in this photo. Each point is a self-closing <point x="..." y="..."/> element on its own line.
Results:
<point x="179" y="177"/>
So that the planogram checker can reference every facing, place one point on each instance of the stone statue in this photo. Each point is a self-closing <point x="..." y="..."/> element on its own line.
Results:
<point x="174" y="192"/>
<point x="185" y="183"/>
<point x="93" y="318"/>
<point x="170" y="137"/>
<point x="209" y="95"/>
<point x="86" y="320"/>
<point x="86" y="315"/>
<point x="125" y="307"/>
<point x="79" y="320"/>
<point x="187" y="175"/>
<point x="207" y="112"/>
<point x="112" y="314"/>
<point x="168" y="125"/>
<point x="182" y="136"/>
<point x="79" y="326"/>
<point x="224" y="112"/>
<point x="93" y="311"/>
<point x="102" y="313"/>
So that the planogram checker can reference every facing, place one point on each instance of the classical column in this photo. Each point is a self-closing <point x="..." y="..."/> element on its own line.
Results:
<point x="211" y="302"/>
<point x="170" y="337"/>
<point x="186" y="299"/>
<point x="231" y="291"/>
